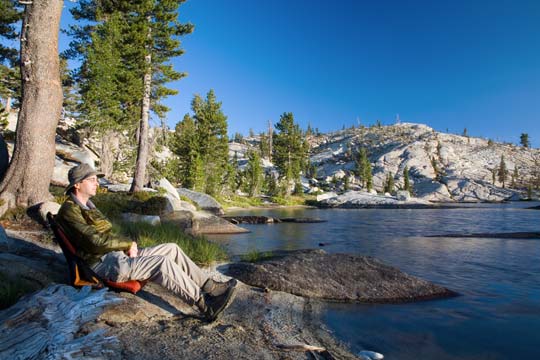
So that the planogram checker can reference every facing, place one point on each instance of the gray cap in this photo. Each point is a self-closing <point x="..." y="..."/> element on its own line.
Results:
<point x="78" y="173"/>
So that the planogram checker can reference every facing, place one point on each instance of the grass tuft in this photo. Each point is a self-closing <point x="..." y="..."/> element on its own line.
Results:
<point x="239" y="201"/>
<point x="256" y="256"/>
<point x="199" y="249"/>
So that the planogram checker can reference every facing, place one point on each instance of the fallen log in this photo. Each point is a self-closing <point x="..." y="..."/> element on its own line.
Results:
<point x="44" y="325"/>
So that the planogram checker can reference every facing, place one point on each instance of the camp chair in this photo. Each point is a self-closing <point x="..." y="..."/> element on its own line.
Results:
<point x="80" y="274"/>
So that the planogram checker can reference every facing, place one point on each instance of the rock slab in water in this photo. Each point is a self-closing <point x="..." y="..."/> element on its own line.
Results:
<point x="336" y="277"/>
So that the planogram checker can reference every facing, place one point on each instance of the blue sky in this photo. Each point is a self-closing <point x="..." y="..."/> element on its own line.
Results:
<point x="449" y="64"/>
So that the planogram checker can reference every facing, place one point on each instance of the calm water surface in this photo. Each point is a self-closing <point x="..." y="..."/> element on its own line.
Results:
<point x="497" y="315"/>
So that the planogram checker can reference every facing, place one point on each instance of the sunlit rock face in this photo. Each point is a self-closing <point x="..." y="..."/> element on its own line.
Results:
<point x="442" y="167"/>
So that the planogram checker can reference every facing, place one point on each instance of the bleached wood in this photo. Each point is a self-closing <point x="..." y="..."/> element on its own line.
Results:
<point x="43" y="325"/>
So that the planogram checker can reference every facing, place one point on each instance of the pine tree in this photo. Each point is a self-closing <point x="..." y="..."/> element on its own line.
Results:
<point x="502" y="172"/>
<point x="363" y="169"/>
<point x="524" y="140"/>
<point x="142" y="37"/>
<point x="515" y="176"/>
<point x="346" y="182"/>
<point x="270" y="185"/>
<point x="290" y="149"/>
<point x="161" y="30"/>
<point x="184" y="145"/>
<point x="264" y="147"/>
<point x="28" y="177"/>
<point x="201" y="144"/>
<point x="254" y="173"/>
<point x="389" y="186"/>
<point x="406" y="182"/>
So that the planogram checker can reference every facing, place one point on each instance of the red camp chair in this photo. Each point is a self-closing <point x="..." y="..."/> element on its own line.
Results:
<point x="80" y="274"/>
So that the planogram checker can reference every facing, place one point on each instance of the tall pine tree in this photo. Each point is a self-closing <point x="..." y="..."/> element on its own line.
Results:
<point x="254" y="173"/>
<point x="502" y="172"/>
<point x="142" y="36"/>
<point x="290" y="150"/>
<point x="201" y="144"/>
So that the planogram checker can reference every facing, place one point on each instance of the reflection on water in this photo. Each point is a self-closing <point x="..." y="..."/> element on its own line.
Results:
<point x="497" y="315"/>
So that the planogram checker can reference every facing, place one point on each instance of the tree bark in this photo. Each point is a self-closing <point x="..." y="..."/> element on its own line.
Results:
<point x="142" y="150"/>
<point x="109" y="149"/>
<point x="30" y="171"/>
<point x="8" y="104"/>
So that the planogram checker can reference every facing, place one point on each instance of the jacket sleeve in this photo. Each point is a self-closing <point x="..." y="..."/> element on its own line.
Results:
<point x="87" y="237"/>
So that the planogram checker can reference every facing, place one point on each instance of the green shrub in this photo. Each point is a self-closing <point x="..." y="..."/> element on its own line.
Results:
<point x="112" y="204"/>
<point x="143" y="195"/>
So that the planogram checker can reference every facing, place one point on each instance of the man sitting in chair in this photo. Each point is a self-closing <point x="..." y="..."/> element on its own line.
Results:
<point x="118" y="259"/>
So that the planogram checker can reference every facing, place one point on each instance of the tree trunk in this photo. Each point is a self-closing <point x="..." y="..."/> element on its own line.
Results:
<point x="142" y="150"/>
<point x="30" y="171"/>
<point x="8" y="104"/>
<point x="109" y="149"/>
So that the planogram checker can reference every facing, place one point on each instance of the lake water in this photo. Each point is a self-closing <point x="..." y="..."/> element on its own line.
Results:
<point x="496" y="316"/>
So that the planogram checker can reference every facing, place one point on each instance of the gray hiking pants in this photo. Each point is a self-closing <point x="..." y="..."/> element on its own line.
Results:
<point x="165" y="264"/>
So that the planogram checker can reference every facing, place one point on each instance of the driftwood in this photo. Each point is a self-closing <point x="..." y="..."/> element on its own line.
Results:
<point x="44" y="325"/>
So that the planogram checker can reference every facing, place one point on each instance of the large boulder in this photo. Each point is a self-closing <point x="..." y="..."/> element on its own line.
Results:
<point x="471" y="190"/>
<point x="206" y="223"/>
<point x="167" y="187"/>
<point x="203" y="201"/>
<point x="432" y="191"/>
<point x="336" y="277"/>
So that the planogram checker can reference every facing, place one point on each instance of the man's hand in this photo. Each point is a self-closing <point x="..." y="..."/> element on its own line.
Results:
<point x="133" y="250"/>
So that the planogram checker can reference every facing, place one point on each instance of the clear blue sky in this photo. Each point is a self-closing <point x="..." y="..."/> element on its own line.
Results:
<point x="449" y="64"/>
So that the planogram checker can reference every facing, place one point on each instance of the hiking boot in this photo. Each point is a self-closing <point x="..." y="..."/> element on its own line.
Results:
<point x="211" y="306"/>
<point x="216" y="288"/>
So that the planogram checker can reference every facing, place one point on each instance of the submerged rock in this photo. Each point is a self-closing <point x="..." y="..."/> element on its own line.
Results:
<point x="336" y="277"/>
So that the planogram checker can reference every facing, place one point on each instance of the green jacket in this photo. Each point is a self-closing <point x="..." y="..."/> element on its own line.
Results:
<point x="89" y="231"/>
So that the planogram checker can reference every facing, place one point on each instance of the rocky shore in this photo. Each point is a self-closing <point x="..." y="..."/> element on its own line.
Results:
<point x="277" y="318"/>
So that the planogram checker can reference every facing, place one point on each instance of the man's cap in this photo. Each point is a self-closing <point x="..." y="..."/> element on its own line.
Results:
<point x="80" y="172"/>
